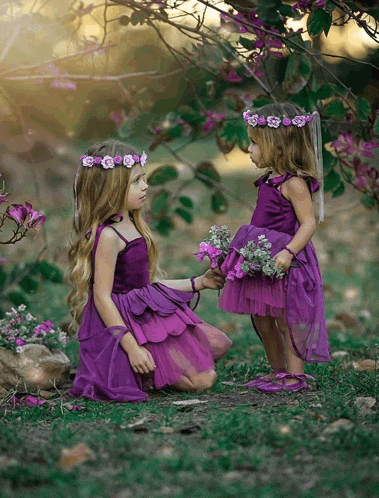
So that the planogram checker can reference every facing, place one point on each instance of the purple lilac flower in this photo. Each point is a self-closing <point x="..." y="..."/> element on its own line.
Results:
<point x="107" y="162"/>
<point x="19" y="341"/>
<point x="273" y="122"/>
<point x="128" y="161"/>
<point x="299" y="121"/>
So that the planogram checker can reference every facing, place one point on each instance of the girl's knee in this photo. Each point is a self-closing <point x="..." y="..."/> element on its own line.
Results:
<point x="204" y="380"/>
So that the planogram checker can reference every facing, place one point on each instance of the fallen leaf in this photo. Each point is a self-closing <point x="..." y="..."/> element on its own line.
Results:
<point x="341" y="423"/>
<point x="366" y="365"/>
<point x="47" y="394"/>
<point x="33" y="401"/>
<point x="297" y="417"/>
<point x="165" y="430"/>
<point x="228" y="383"/>
<point x="187" y="402"/>
<point x="365" y="404"/>
<point x="339" y="354"/>
<point x="229" y="476"/>
<point x="189" y="429"/>
<point x="141" y="421"/>
<point x="243" y="392"/>
<point x="74" y="456"/>
<point x="319" y="416"/>
<point x="141" y="428"/>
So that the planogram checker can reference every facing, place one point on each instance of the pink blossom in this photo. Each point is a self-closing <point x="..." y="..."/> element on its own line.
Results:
<point x="88" y="161"/>
<point x="33" y="401"/>
<point x="231" y="275"/>
<point x="287" y="122"/>
<point x="136" y="158"/>
<point x="261" y="121"/>
<point x="97" y="160"/>
<point x="128" y="160"/>
<point x="76" y="407"/>
<point x="107" y="162"/>
<point x="299" y="121"/>
<point x="273" y="122"/>
<point x="233" y="77"/>
<point x="117" y="159"/>
<point x="19" y="341"/>
<point x="26" y="215"/>
<point x="353" y="146"/>
<point x="143" y="158"/>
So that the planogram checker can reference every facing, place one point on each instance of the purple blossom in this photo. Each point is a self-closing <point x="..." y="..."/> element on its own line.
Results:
<point x="107" y="162"/>
<point x="88" y="161"/>
<point x="128" y="161"/>
<point x="299" y="121"/>
<point x="19" y="341"/>
<point x="253" y="120"/>
<point x="261" y="121"/>
<point x="26" y="215"/>
<point x="233" y="77"/>
<point x="136" y="158"/>
<point x="33" y="401"/>
<point x="143" y="158"/>
<point x="231" y="275"/>
<point x="117" y="159"/>
<point x="287" y="122"/>
<point x="3" y="199"/>
<point x="97" y="160"/>
<point x="273" y="122"/>
<point x="353" y="146"/>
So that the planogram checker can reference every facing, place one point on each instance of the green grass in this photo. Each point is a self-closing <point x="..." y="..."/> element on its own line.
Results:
<point x="242" y="443"/>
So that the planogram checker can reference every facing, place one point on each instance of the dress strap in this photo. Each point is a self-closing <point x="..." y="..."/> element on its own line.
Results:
<point x="119" y="234"/>
<point x="262" y="179"/>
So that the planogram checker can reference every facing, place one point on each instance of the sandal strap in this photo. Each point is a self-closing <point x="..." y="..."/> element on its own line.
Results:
<point x="300" y="376"/>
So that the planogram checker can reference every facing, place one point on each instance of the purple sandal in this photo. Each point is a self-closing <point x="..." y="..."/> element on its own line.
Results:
<point x="261" y="380"/>
<point x="275" y="387"/>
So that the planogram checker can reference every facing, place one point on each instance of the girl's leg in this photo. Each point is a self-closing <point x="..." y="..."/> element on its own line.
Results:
<point x="273" y="341"/>
<point x="219" y="342"/>
<point x="196" y="382"/>
<point x="294" y="363"/>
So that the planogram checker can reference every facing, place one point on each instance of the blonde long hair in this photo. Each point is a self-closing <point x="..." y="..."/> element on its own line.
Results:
<point x="99" y="194"/>
<point x="287" y="149"/>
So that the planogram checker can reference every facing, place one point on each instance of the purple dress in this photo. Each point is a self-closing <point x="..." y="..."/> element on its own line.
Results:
<point x="160" y="320"/>
<point x="298" y="297"/>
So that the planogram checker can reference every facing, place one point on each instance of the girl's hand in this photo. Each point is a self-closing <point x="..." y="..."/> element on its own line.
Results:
<point x="141" y="360"/>
<point x="213" y="279"/>
<point x="283" y="259"/>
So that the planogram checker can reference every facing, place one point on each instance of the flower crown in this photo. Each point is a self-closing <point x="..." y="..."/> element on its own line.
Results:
<point x="275" y="121"/>
<point x="109" y="162"/>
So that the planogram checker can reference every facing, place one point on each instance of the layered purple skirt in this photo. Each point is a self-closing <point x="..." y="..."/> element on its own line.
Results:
<point x="161" y="321"/>
<point x="297" y="298"/>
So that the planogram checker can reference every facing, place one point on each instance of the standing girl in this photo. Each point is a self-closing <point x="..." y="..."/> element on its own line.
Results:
<point x="133" y="333"/>
<point x="289" y="313"/>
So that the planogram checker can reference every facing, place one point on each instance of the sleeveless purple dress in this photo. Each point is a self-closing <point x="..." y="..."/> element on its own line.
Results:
<point x="298" y="297"/>
<point x="160" y="320"/>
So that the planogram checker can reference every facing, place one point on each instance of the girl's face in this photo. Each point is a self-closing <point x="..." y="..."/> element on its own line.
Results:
<point x="137" y="189"/>
<point x="255" y="154"/>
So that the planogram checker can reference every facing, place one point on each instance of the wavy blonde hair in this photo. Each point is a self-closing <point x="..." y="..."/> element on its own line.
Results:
<point x="286" y="148"/>
<point x="99" y="194"/>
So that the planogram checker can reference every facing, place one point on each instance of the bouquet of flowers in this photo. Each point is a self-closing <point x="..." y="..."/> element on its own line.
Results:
<point x="19" y="328"/>
<point x="215" y="245"/>
<point x="255" y="258"/>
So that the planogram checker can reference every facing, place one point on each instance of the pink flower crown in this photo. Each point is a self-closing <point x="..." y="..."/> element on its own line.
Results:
<point x="109" y="162"/>
<point x="275" y="121"/>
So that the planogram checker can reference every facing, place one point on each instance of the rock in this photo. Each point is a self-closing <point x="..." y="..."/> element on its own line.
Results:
<point x="341" y="423"/>
<point x="366" y="365"/>
<point x="349" y="320"/>
<point x="35" y="367"/>
<point x="365" y="405"/>
<point x="339" y="354"/>
<point x="333" y="324"/>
